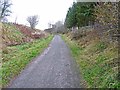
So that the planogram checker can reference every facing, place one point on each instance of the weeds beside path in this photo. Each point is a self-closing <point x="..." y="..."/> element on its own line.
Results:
<point x="97" y="63"/>
<point x="19" y="56"/>
<point x="54" y="68"/>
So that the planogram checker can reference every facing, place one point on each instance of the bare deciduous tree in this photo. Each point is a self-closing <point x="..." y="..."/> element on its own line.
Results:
<point x="5" y="9"/>
<point x="49" y="25"/>
<point x="33" y="21"/>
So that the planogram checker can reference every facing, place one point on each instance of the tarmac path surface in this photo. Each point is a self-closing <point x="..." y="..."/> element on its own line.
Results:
<point x="54" y="68"/>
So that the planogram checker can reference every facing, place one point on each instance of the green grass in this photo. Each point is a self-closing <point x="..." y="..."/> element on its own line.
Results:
<point x="95" y="62"/>
<point x="19" y="56"/>
<point x="101" y="46"/>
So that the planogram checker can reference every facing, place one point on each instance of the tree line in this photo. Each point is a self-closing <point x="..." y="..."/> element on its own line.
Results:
<point x="80" y="14"/>
<point x="89" y="13"/>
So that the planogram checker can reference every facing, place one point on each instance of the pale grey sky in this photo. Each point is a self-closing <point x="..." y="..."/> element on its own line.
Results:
<point x="48" y="11"/>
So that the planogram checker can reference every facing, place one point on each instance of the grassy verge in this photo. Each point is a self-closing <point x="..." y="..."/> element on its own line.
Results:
<point x="97" y="62"/>
<point x="11" y="35"/>
<point x="19" y="56"/>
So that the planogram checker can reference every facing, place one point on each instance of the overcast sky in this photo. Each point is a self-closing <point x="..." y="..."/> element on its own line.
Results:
<point x="48" y="11"/>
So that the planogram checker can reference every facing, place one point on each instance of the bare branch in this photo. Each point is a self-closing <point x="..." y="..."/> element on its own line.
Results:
<point x="4" y="8"/>
<point x="33" y="21"/>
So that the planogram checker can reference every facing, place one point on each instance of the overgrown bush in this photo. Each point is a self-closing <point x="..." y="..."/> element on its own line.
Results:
<point x="78" y="34"/>
<point x="106" y="19"/>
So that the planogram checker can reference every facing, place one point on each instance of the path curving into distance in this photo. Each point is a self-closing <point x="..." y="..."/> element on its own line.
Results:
<point x="54" y="68"/>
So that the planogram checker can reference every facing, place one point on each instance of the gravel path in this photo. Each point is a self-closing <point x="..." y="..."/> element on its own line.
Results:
<point x="54" y="68"/>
